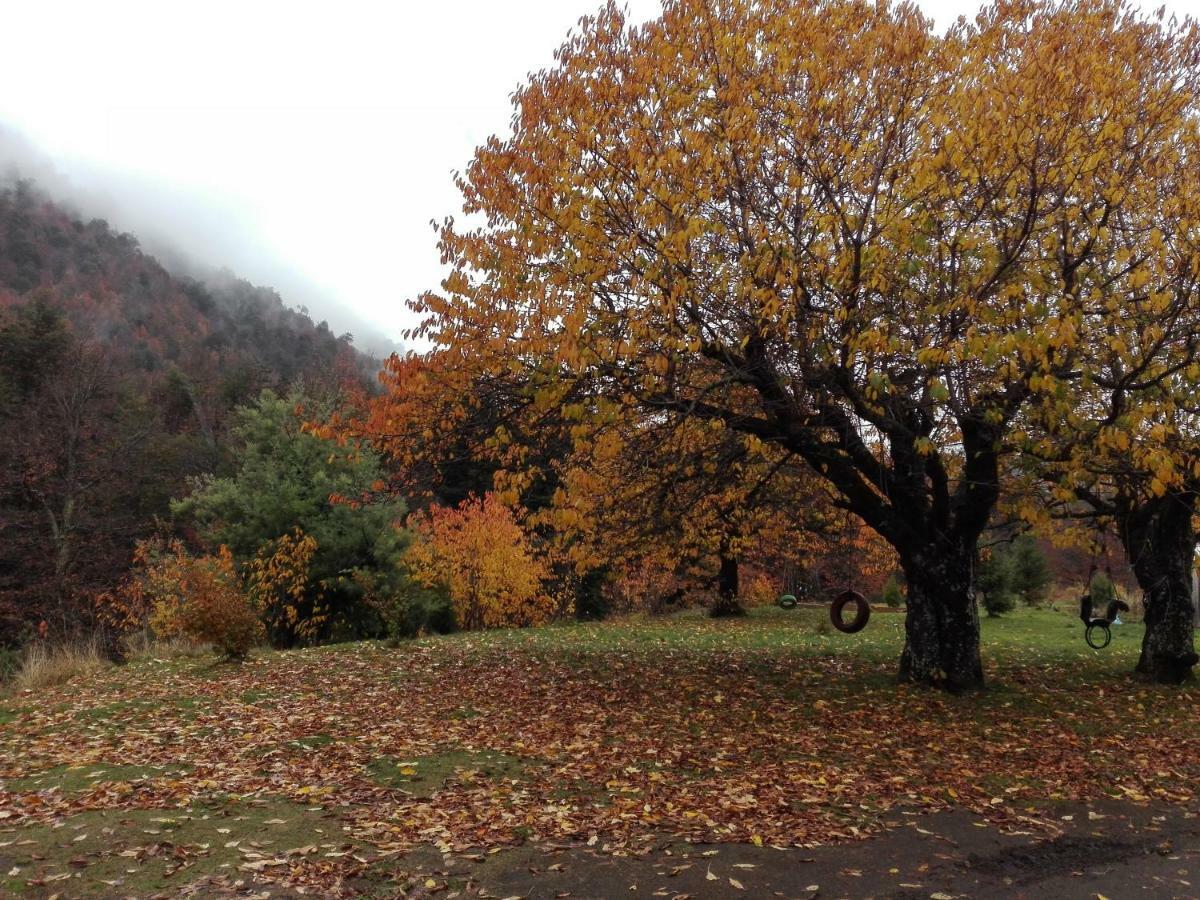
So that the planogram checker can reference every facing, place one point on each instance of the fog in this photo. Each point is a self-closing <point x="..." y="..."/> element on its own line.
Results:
<point x="189" y="233"/>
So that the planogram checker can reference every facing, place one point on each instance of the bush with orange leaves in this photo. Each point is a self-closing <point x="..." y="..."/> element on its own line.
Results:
<point x="198" y="598"/>
<point x="481" y="555"/>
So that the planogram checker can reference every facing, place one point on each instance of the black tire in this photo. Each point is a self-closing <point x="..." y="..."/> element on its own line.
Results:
<point x="787" y="601"/>
<point x="862" y="612"/>
<point x="1098" y="635"/>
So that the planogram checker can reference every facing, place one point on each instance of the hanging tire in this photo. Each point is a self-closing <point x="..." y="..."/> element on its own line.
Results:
<point x="1098" y="635"/>
<point x="862" y="612"/>
<point x="787" y="601"/>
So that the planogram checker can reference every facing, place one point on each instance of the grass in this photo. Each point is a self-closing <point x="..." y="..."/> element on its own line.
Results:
<point x="48" y="665"/>
<point x="768" y="729"/>
<point x="426" y="775"/>
<point x="140" y="852"/>
<point x="74" y="779"/>
<point x="142" y="646"/>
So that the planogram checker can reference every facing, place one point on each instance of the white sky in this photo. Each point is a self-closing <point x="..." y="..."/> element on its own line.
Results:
<point x="306" y="145"/>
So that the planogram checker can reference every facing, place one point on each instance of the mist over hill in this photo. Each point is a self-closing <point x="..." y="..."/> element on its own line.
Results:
<point x="193" y="237"/>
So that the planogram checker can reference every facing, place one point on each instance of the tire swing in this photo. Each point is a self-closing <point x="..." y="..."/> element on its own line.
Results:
<point x="837" y="609"/>
<point x="862" y="612"/>
<point x="787" y="601"/>
<point x="1098" y="630"/>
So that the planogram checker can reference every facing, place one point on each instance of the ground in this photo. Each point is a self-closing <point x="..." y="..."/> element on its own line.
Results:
<point x="769" y="756"/>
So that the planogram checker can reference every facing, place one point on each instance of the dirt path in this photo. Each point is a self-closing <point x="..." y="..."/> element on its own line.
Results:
<point x="1113" y="849"/>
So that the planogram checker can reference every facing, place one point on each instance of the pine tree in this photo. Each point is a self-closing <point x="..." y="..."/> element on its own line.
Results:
<point x="1030" y="571"/>
<point x="994" y="582"/>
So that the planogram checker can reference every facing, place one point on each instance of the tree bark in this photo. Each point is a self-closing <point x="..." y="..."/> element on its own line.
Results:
<point x="727" y="590"/>
<point x="941" y="628"/>
<point x="1159" y="539"/>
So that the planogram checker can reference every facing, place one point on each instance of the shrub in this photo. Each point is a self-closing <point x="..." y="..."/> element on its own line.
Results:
<point x="407" y="608"/>
<point x="1030" y="570"/>
<point x="1103" y="592"/>
<point x="761" y="590"/>
<point x="214" y="608"/>
<point x="290" y="601"/>
<point x="199" y="598"/>
<point x="892" y="595"/>
<point x="993" y="581"/>
<point x="479" y="553"/>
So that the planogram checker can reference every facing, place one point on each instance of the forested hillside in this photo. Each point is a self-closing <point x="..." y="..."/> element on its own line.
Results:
<point x="117" y="380"/>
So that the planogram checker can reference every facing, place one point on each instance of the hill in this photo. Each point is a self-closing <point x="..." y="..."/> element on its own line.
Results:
<point x="117" y="378"/>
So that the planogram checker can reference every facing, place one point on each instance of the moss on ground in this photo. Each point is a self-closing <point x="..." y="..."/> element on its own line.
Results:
<point x="73" y="779"/>
<point x="142" y="852"/>
<point x="425" y="775"/>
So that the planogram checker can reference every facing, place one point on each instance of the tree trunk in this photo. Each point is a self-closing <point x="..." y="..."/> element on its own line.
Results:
<point x="1160" y="542"/>
<point x="941" y="628"/>
<point x="727" y="590"/>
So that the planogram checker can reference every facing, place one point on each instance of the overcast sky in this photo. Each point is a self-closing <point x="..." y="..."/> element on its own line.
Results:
<point x="305" y="145"/>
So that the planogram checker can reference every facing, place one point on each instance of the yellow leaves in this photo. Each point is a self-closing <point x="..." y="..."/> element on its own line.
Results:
<point x="931" y="357"/>
<point x="1115" y="438"/>
<point x="482" y="556"/>
<point x="199" y="598"/>
<point x="859" y="194"/>
<point x="280" y="584"/>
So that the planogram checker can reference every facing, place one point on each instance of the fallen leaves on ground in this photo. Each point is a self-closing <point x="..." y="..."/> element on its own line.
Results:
<point x="711" y="736"/>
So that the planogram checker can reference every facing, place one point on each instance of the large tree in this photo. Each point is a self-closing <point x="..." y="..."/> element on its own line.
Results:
<point x="1119" y="438"/>
<point x="823" y="226"/>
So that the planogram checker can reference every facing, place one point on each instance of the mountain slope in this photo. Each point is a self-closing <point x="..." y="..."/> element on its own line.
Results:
<point x="117" y="381"/>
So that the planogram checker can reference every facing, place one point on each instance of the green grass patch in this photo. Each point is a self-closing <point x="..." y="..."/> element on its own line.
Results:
<point x="75" y="779"/>
<point x="135" y="711"/>
<point x="144" y="852"/>
<point x="424" y="776"/>
<point x="1025" y="636"/>
<point x="310" y="742"/>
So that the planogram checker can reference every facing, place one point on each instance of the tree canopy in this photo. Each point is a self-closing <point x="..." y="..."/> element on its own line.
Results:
<point x="824" y="227"/>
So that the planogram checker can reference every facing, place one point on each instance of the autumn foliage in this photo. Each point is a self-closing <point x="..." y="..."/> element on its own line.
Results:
<point x="118" y="378"/>
<point x="197" y="598"/>
<point x="480" y="553"/>
<point x="851" y="241"/>
<point x="281" y="584"/>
